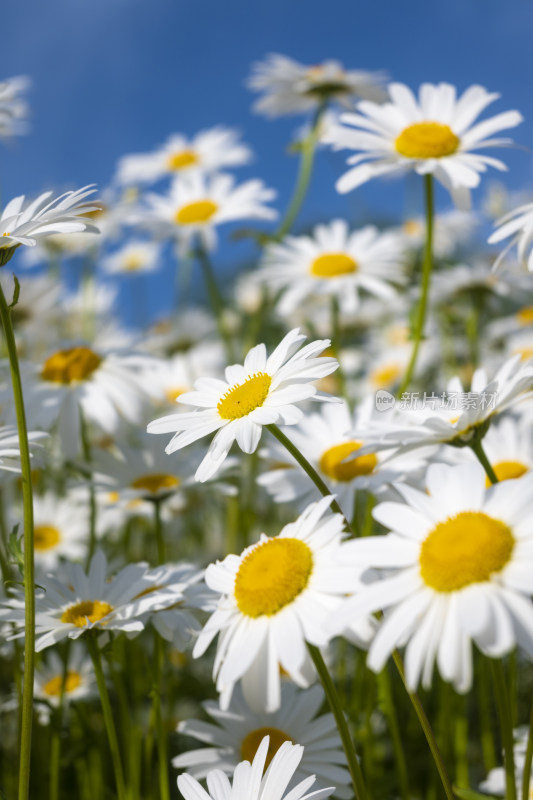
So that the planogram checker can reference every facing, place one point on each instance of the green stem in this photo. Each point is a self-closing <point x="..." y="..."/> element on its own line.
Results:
<point x="428" y="731"/>
<point x="29" y="569"/>
<point x="308" y="469"/>
<point x="158" y="529"/>
<point x="506" y="726"/>
<point x="359" y="787"/>
<point x="87" y="455"/>
<point x="216" y="300"/>
<point x="304" y="176"/>
<point x="480" y="454"/>
<point x="55" y="747"/>
<point x="526" y="775"/>
<point x="387" y="699"/>
<point x="108" y="716"/>
<point x="426" y="277"/>
<point x="164" y="791"/>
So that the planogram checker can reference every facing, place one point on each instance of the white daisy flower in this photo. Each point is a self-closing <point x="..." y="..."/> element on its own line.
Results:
<point x="249" y="782"/>
<point x="275" y="597"/>
<point x="196" y="205"/>
<point x="461" y="278"/>
<point x="431" y="135"/>
<point x="452" y="230"/>
<point x="325" y="439"/>
<point x="261" y="392"/>
<point x="458" y="567"/>
<point x="132" y="258"/>
<point x="334" y="263"/>
<point x="75" y="602"/>
<point x="61" y="528"/>
<point x="80" y="679"/>
<point x="289" y="87"/>
<point x="519" y="225"/>
<point x="496" y="783"/>
<point x="238" y="732"/>
<point x="209" y="151"/>
<point x="10" y="449"/>
<point x="24" y="224"/>
<point x="13" y="107"/>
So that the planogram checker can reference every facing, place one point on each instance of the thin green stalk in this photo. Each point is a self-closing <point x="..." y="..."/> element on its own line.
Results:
<point x="158" y="530"/>
<point x="389" y="709"/>
<point x="462" y="779"/>
<point x="108" y="716"/>
<point x="164" y="791"/>
<point x="87" y="455"/>
<point x="304" y="175"/>
<point x="526" y="775"/>
<point x="506" y="726"/>
<point x="308" y="469"/>
<point x="29" y="570"/>
<point x="418" y="332"/>
<point x="216" y="301"/>
<point x="428" y="731"/>
<point x="477" y="447"/>
<point x="55" y="747"/>
<point x="485" y="721"/>
<point x="358" y="782"/>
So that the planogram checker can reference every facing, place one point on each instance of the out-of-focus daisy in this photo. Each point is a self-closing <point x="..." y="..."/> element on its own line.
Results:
<point x="75" y="602"/>
<point x="289" y="87"/>
<point x="179" y="372"/>
<point x="79" y="683"/>
<point x="10" y="449"/>
<point x="325" y="439"/>
<point x="469" y="278"/>
<point x="452" y="230"/>
<point x="24" y="224"/>
<point x="238" y="732"/>
<point x="210" y="150"/>
<point x="431" y="135"/>
<point x="13" y="106"/>
<point x="458" y="567"/>
<point x="132" y="258"/>
<point x="182" y="332"/>
<point x="519" y="225"/>
<point x="61" y="528"/>
<point x="276" y="596"/>
<point x="262" y="391"/>
<point x="495" y="782"/>
<point x="334" y="263"/>
<point x="249" y="783"/>
<point x="196" y="205"/>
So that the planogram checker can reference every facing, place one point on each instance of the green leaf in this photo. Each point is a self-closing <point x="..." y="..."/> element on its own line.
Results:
<point x="470" y="794"/>
<point x="15" y="548"/>
<point x="16" y="292"/>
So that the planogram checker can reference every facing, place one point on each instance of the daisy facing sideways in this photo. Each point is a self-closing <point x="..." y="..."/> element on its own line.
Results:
<point x="249" y="782"/>
<point x="517" y="224"/>
<point x="456" y="568"/>
<point x="334" y="263"/>
<point x="433" y="134"/>
<point x="262" y="391"/>
<point x="238" y="732"/>
<point x="275" y="597"/>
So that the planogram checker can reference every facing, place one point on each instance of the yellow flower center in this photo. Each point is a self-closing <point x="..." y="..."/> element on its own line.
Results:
<point x="155" y="482"/>
<point x="79" y="613"/>
<point x="506" y="470"/>
<point x="46" y="537"/>
<point x="53" y="686"/>
<point x="181" y="160"/>
<point x="67" y="366"/>
<point x="427" y="140"/>
<point x="331" y="265"/>
<point x="6" y="233"/>
<point x="467" y="548"/>
<point x="386" y="375"/>
<point x="525" y="353"/>
<point x="243" y="398"/>
<point x="413" y="227"/>
<point x="196" y="213"/>
<point x="335" y="463"/>
<point x="252" y="740"/>
<point x="133" y="262"/>
<point x="173" y="392"/>
<point x="525" y="316"/>
<point x="272" y="575"/>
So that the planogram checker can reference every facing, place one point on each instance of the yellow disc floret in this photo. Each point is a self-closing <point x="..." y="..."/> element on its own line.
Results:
<point x="525" y="316"/>
<point x="331" y="265"/>
<point x="385" y="375"/>
<point x="427" y="140"/>
<point x="67" y="366"/>
<point x="54" y="685"/>
<point x="243" y="398"/>
<point x="467" y="548"/>
<point x="155" y="482"/>
<point x="252" y="740"/>
<point x="79" y="613"/>
<point x="272" y="575"/>
<point x="336" y="464"/>
<point x="46" y="537"/>
<point x="507" y="470"/>
<point x="196" y="213"/>
<point x="181" y="160"/>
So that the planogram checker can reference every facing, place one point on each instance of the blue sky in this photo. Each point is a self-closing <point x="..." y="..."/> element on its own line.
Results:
<point x="118" y="76"/>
